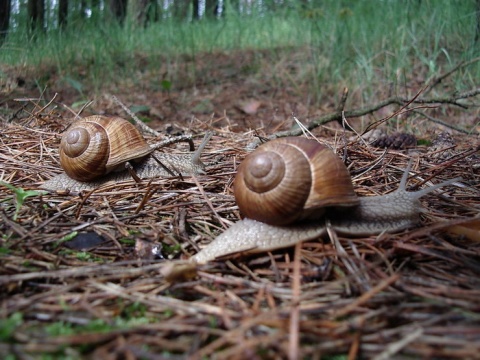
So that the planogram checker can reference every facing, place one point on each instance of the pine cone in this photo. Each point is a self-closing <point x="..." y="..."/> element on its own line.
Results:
<point x="396" y="141"/>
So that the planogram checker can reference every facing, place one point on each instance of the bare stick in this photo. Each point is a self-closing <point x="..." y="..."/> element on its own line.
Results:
<point x="174" y="140"/>
<point x="401" y="101"/>
<point x="144" y="127"/>
<point x="443" y="123"/>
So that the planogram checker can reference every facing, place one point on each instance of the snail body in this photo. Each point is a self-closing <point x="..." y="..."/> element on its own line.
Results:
<point x="357" y="216"/>
<point x="95" y="150"/>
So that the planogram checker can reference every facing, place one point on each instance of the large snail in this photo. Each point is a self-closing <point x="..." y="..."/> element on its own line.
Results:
<point x="95" y="150"/>
<point x="316" y="191"/>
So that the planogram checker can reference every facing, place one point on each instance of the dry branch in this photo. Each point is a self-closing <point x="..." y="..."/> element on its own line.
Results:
<point x="419" y="100"/>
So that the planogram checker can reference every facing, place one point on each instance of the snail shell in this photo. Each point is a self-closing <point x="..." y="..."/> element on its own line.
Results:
<point x="97" y="145"/>
<point x="291" y="179"/>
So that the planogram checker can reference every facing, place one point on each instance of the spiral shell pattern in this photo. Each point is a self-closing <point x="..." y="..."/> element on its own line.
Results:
<point x="291" y="179"/>
<point x="97" y="145"/>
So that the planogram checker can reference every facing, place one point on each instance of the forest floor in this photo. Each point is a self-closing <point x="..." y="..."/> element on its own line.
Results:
<point x="412" y="294"/>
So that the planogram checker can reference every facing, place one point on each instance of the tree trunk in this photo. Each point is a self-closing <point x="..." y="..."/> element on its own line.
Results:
<point x="211" y="8"/>
<point x="62" y="13"/>
<point x="146" y="11"/>
<point x="180" y="8"/>
<point x="196" y="10"/>
<point x="5" y="7"/>
<point x="234" y="6"/>
<point x="95" y="8"/>
<point x="36" y="15"/>
<point x="118" y="9"/>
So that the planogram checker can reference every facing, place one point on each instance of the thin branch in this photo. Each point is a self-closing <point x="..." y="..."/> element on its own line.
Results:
<point x="443" y="123"/>
<point x="294" y="336"/>
<point x="396" y="113"/>
<point x="145" y="128"/>
<point x="401" y="101"/>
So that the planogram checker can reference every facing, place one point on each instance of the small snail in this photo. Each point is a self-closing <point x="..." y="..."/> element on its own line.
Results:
<point x="95" y="150"/>
<point x="315" y="192"/>
<point x="98" y="145"/>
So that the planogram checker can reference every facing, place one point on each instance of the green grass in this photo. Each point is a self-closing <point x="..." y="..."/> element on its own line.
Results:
<point x="351" y="44"/>
<point x="8" y="326"/>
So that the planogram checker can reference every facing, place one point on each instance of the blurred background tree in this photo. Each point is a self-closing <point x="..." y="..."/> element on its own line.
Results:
<point x="5" y="8"/>
<point x="36" y="16"/>
<point x="331" y="41"/>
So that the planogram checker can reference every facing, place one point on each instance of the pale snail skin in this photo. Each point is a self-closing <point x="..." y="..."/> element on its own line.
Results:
<point x="94" y="151"/>
<point x="392" y="212"/>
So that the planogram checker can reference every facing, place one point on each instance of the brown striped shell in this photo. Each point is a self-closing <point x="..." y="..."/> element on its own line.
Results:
<point x="291" y="179"/>
<point x="97" y="145"/>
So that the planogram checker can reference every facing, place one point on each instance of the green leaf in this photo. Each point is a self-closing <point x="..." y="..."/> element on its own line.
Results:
<point x="139" y="108"/>
<point x="79" y="104"/>
<point x="8" y="326"/>
<point x="77" y="85"/>
<point x="166" y="85"/>
<point x="59" y="328"/>
<point x="67" y="237"/>
<point x="4" y="250"/>
<point x="20" y="196"/>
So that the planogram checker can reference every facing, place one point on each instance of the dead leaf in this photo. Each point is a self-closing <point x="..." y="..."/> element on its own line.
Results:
<point x="469" y="229"/>
<point x="249" y="107"/>
<point x="179" y="271"/>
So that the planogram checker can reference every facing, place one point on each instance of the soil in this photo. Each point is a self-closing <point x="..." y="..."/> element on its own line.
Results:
<point x="124" y="288"/>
